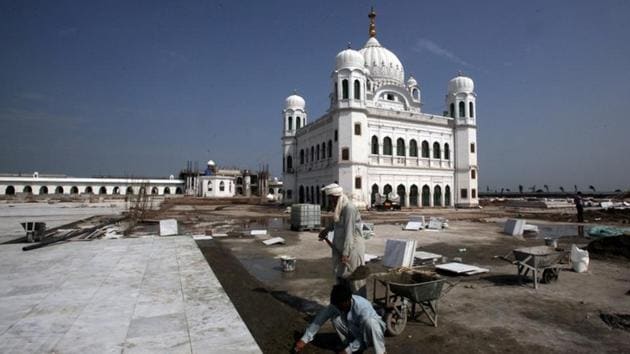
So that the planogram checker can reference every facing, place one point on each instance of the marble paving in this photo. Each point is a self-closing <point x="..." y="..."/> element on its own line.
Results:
<point x="140" y="295"/>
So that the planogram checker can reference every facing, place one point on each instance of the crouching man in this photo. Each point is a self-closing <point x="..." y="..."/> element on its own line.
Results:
<point x="354" y="319"/>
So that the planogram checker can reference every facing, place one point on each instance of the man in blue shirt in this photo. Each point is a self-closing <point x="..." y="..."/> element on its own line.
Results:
<point x="354" y="319"/>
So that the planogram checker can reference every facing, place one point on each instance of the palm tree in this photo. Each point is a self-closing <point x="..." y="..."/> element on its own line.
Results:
<point x="562" y="189"/>
<point x="546" y="188"/>
<point x="502" y="191"/>
<point x="575" y="187"/>
<point x="592" y="188"/>
<point x="533" y="188"/>
<point x="520" y="188"/>
<point x="508" y="190"/>
<point x="488" y="189"/>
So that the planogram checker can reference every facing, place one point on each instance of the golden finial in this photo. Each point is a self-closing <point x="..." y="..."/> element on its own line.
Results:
<point x="372" y="16"/>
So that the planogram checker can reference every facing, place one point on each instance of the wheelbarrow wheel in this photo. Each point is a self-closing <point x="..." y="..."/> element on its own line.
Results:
<point x="549" y="275"/>
<point x="396" y="320"/>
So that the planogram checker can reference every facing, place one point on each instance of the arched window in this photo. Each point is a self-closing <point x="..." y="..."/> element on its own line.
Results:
<point x="447" y="152"/>
<point x="312" y="154"/>
<point x="179" y="190"/>
<point x="59" y="190"/>
<point x="129" y="191"/>
<point x="374" y="193"/>
<point x="317" y="194"/>
<point x="387" y="146"/>
<point x="374" y="145"/>
<point x="452" y="112"/>
<point x="471" y="111"/>
<point x="301" y="194"/>
<point x="221" y="186"/>
<point x="344" y="89"/>
<point x="462" y="109"/>
<point x="336" y="91"/>
<point x="167" y="190"/>
<point x="425" y="149"/>
<point x="413" y="148"/>
<point x="290" y="123"/>
<point x="400" y="147"/>
<point x="387" y="190"/>
<point x="402" y="194"/>
<point x="317" y="151"/>
<point x="329" y="148"/>
<point x="323" y="150"/>
<point x="43" y="190"/>
<point x="116" y="190"/>
<point x="27" y="190"/>
<point x="88" y="190"/>
<point x="473" y="174"/>
<point x="75" y="190"/>
<point x="437" y="196"/>
<point x="301" y="156"/>
<point x="413" y="195"/>
<point x="447" y="196"/>
<point x="298" y="123"/>
<point x="154" y="191"/>
<point x="289" y="163"/>
<point x="209" y="186"/>
<point x="10" y="190"/>
<point x="357" y="90"/>
<point x="436" y="150"/>
<point x="414" y="93"/>
<point x="426" y="196"/>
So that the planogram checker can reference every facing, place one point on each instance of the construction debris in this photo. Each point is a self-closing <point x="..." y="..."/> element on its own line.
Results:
<point x="258" y="232"/>
<point x="202" y="237"/>
<point x="461" y="268"/>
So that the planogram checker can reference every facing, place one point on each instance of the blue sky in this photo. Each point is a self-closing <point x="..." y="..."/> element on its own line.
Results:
<point x="137" y="88"/>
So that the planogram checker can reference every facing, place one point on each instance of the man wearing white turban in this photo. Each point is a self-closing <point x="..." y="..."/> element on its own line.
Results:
<point x="348" y="247"/>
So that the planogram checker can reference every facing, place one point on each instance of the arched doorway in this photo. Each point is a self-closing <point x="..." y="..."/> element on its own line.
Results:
<point x="102" y="190"/>
<point x="116" y="190"/>
<point x="301" y="194"/>
<point x="426" y="196"/>
<point x="167" y="190"/>
<point x="43" y="190"/>
<point x="154" y="190"/>
<point x="178" y="190"/>
<point x="413" y="195"/>
<point x="402" y="194"/>
<point x="437" y="196"/>
<point x="74" y="190"/>
<point x="387" y="190"/>
<point x="88" y="190"/>
<point x="374" y="193"/>
<point x="129" y="191"/>
<point x="59" y="190"/>
<point x="27" y="190"/>
<point x="447" y="196"/>
<point x="10" y="190"/>
<point x="317" y="191"/>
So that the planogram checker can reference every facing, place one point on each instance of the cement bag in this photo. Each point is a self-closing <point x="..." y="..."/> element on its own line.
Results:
<point x="579" y="259"/>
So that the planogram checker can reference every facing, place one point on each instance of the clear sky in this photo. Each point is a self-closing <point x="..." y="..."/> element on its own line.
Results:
<point x="139" y="87"/>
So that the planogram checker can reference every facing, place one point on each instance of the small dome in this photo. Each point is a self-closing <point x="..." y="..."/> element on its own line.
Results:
<point x="412" y="82"/>
<point x="349" y="58"/>
<point x="211" y="163"/>
<point x="461" y="83"/>
<point x="383" y="65"/>
<point x="294" y="102"/>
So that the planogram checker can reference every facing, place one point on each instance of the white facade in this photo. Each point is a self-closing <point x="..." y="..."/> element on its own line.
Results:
<point x="217" y="186"/>
<point x="60" y="185"/>
<point x="375" y="138"/>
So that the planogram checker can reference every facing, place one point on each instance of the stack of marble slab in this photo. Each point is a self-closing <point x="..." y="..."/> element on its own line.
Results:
<point x="399" y="253"/>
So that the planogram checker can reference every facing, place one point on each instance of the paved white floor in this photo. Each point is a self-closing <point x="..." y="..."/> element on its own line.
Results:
<point x="144" y="295"/>
<point x="12" y="214"/>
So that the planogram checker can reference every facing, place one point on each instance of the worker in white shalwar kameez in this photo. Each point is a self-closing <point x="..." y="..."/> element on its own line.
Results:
<point x="348" y="246"/>
<point x="353" y="317"/>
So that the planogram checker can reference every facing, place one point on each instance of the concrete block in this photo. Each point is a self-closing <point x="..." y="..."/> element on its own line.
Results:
<point x="168" y="227"/>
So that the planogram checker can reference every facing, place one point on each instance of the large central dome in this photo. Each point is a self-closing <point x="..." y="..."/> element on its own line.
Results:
<point x="384" y="66"/>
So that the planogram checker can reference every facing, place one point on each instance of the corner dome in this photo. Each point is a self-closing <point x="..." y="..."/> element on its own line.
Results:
<point x="349" y="58"/>
<point x="211" y="163"/>
<point x="294" y="102"/>
<point x="383" y="65"/>
<point x="411" y="81"/>
<point x="461" y="84"/>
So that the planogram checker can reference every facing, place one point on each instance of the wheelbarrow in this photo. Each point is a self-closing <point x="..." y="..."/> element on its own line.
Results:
<point x="542" y="261"/>
<point x="407" y="288"/>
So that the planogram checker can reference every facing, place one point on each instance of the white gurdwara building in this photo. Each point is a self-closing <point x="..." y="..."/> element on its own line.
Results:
<point x="375" y="140"/>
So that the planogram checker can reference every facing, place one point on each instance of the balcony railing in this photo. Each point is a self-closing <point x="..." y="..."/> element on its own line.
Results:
<point x="406" y="161"/>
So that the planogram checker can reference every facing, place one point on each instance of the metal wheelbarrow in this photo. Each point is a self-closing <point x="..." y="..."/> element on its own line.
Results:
<point x="407" y="288"/>
<point x="542" y="261"/>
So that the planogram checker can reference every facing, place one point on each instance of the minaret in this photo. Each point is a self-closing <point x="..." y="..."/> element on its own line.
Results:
<point x="461" y="105"/>
<point x="294" y="118"/>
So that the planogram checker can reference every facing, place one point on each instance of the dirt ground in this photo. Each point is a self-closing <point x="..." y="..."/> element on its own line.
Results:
<point x="485" y="313"/>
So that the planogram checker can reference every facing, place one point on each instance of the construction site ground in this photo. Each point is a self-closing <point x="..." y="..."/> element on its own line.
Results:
<point x="486" y="313"/>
